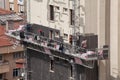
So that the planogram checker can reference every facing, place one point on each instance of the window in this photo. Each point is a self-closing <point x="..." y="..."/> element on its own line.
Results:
<point x="71" y="71"/>
<point x="11" y="6"/>
<point x="0" y="57"/>
<point x="51" y="65"/>
<point x="21" y="8"/>
<point x="65" y="10"/>
<point x="18" y="55"/>
<point x="71" y="17"/>
<point x="57" y="8"/>
<point x="65" y="36"/>
<point x="16" y="72"/>
<point x="51" y="12"/>
<point x="51" y="35"/>
<point x="57" y="34"/>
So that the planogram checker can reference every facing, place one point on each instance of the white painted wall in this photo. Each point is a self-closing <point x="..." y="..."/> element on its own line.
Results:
<point x="114" y="39"/>
<point x="39" y="14"/>
<point x="93" y="14"/>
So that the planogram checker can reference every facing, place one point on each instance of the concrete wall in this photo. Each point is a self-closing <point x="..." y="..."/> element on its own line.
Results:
<point x="16" y="4"/>
<point x="101" y="17"/>
<point x="119" y="41"/>
<point x="91" y="16"/>
<point x="114" y="40"/>
<point x="97" y="20"/>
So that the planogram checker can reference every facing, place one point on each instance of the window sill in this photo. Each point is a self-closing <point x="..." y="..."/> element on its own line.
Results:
<point x="71" y="26"/>
<point x="52" y="21"/>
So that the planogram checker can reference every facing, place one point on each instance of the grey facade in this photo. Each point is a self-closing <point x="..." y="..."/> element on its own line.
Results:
<point x="39" y="68"/>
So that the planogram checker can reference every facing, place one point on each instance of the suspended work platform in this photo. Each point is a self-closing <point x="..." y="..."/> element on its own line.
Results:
<point x="78" y="55"/>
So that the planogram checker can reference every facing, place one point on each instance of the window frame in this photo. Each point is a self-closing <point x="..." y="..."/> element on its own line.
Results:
<point x="16" y="72"/>
<point x="51" y="13"/>
<point x="11" y="6"/>
<point x="18" y="55"/>
<point x="71" y="12"/>
<point x="21" y="8"/>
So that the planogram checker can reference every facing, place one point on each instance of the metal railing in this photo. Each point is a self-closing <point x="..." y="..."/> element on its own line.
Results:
<point x="57" y="45"/>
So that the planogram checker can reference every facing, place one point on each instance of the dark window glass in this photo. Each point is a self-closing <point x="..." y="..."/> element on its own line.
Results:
<point x="1" y="76"/>
<point x="51" y="12"/>
<point x="71" y="71"/>
<point x="71" y="17"/>
<point x="0" y="57"/>
<point x="16" y="72"/>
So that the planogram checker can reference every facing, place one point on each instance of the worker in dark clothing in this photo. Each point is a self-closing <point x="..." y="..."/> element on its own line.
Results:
<point x="61" y="48"/>
<point x="22" y="36"/>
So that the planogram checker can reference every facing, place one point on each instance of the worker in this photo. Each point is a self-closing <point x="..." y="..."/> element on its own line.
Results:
<point x="61" y="48"/>
<point x="84" y="45"/>
<point x="22" y="35"/>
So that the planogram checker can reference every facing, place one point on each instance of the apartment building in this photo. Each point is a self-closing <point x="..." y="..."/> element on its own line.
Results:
<point x="13" y="5"/>
<point x="16" y="6"/>
<point x="11" y="54"/>
<point x="100" y="17"/>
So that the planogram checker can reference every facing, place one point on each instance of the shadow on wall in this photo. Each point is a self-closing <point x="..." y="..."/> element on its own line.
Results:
<point x="113" y="78"/>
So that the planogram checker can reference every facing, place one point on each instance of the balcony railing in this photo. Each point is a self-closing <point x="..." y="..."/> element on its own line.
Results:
<point x="77" y="51"/>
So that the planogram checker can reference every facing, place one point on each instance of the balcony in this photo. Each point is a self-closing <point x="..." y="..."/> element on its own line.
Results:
<point x="4" y="67"/>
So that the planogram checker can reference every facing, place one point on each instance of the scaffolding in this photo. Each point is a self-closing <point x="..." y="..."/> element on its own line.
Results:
<point x="38" y="43"/>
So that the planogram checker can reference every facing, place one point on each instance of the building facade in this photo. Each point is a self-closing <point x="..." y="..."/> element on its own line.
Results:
<point x="57" y="14"/>
<point x="16" y="6"/>
<point x="13" y="5"/>
<point x="11" y="52"/>
<point x="10" y="68"/>
<point x="100" y="17"/>
<point x="115" y="39"/>
<point x="92" y="16"/>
